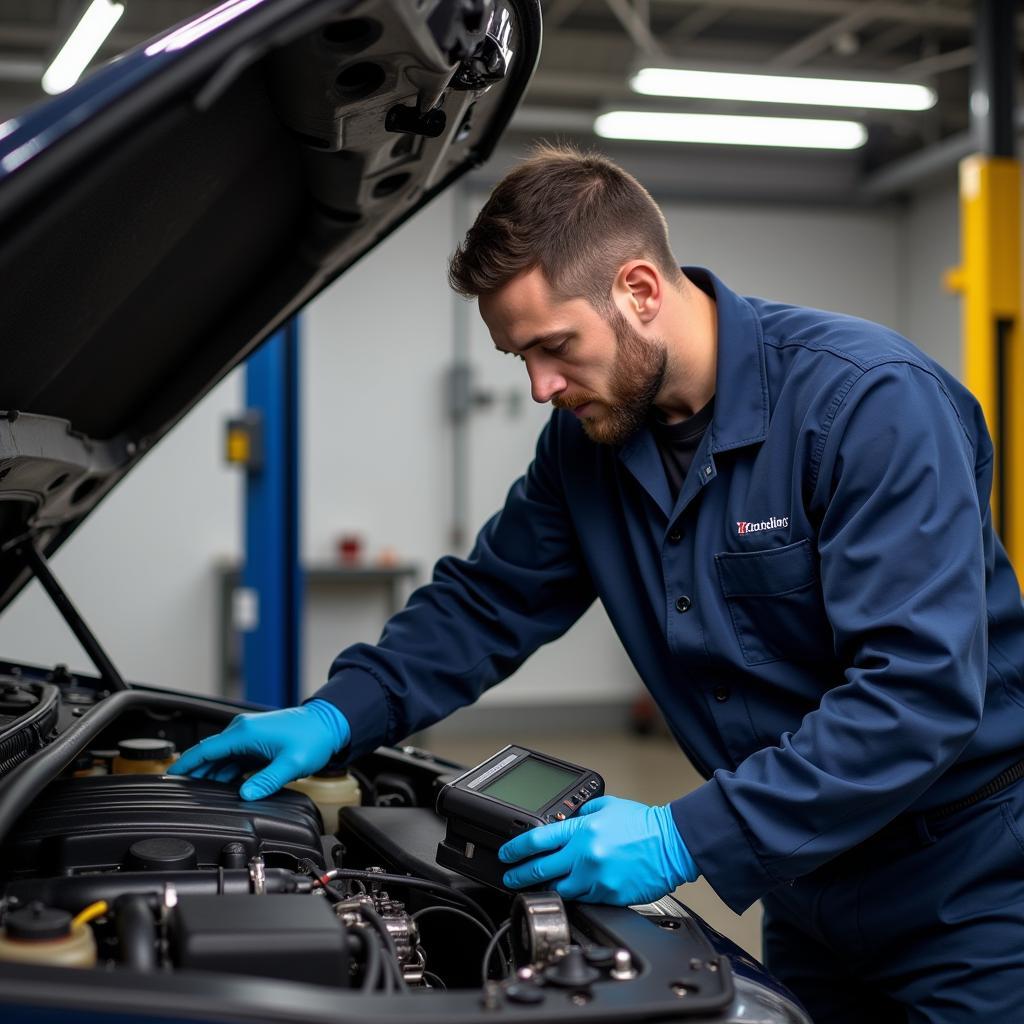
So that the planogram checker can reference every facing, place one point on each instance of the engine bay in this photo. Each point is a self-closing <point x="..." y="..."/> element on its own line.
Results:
<point x="142" y="878"/>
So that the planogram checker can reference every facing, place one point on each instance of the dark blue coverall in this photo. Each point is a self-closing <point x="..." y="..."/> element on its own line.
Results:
<point x="831" y="628"/>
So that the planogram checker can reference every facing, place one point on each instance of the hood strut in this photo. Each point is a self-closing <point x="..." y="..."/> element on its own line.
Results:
<point x="34" y="559"/>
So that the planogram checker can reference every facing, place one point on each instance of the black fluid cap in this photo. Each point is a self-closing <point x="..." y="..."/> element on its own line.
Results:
<point x="524" y="992"/>
<point x="572" y="971"/>
<point x="145" y="749"/>
<point x="600" y="956"/>
<point x="38" y="923"/>
<point x="233" y="855"/>
<point x="164" y="853"/>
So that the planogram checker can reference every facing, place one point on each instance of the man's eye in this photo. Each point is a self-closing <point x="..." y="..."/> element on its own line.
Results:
<point x="558" y="349"/>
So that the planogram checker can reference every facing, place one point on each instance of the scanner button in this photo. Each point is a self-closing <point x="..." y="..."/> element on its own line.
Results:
<point x="560" y="816"/>
<point x="593" y="783"/>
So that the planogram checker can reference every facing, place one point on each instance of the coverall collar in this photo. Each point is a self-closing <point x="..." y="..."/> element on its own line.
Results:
<point x="741" y="399"/>
<point x="741" y="382"/>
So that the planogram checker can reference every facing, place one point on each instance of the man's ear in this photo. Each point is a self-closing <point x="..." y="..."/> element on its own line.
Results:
<point x="640" y="289"/>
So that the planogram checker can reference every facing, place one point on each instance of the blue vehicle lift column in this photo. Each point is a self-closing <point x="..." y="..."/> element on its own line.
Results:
<point x="271" y="651"/>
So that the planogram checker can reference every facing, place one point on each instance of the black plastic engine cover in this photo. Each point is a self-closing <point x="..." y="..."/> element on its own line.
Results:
<point x="406" y="839"/>
<point x="295" y="938"/>
<point x="89" y="824"/>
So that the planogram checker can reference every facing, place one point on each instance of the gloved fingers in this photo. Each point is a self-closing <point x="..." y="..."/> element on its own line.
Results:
<point x="213" y="748"/>
<point x="203" y="771"/>
<point x="188" y="762"/>
<point x="540" y="869"/>
<point x="539" y="840"/>
<point x="280" y="771"/>
<point x="597" y="804"/>
<point x="573" y="887"/>
<point x="225" y="773"/>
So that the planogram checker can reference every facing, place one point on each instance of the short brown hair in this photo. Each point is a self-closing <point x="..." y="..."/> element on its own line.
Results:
<point x="578" y="216"/>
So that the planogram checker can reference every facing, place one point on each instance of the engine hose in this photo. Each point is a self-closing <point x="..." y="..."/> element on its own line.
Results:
<point x="74" y="892"/>
<point x="366" y="943"/>
<point x="30" y="732"/>
<point x="136" y="932"/>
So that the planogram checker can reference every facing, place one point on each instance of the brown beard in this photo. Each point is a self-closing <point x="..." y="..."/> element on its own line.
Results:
<point x="637" y="375"/>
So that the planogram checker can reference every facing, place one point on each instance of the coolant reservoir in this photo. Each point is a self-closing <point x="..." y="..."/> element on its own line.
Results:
<point x="38" y="934"/>
<point x="330" y="792"/>
<point x="143" y="757"/>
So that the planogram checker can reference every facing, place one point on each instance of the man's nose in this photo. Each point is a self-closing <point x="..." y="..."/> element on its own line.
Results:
<point x="545" y="384"/>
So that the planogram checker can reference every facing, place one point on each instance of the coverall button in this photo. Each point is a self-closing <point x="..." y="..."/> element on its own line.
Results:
<point x="722" y="693"/>
<point x="683" y="604"/>
<point x="675" y="536"/>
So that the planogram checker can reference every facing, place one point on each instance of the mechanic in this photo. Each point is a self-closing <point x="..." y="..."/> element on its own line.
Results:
<point x="786" y="514"/>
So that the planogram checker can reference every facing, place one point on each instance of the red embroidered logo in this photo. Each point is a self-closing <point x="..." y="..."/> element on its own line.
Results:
<point x="765" y="524"/>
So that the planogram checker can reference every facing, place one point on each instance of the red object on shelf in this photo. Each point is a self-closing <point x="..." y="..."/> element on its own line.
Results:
<point x="350" y="548"/>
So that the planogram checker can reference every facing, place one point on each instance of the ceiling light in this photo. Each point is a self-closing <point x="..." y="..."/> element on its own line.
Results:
<point x="99" y="19"/>
<point x="651" y="126"/>
<point x="825" y="92"/>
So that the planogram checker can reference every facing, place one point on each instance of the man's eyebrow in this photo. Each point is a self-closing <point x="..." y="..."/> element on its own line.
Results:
<point x="539" y="340"/>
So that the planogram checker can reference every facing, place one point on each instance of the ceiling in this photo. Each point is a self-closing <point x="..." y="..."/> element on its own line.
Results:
<point x="590" y="47"/>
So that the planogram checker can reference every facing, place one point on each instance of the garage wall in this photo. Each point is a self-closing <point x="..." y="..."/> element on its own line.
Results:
<point x="933" y="246"/>
<point x="141" y="568"/>
<point x="377" y="445"/>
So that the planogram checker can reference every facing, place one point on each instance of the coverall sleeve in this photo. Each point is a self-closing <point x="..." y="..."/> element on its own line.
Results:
<point x="903" y="580"/>
<point x="523" y="585"/>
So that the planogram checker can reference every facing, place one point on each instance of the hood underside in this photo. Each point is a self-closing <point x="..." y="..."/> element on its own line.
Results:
<point x="161" y="219"/>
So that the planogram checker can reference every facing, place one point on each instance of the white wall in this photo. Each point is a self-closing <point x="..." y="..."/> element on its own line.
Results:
<point x="377" y="445"/>
<point x="141" y="568"/>
<point x="933" y="246"/>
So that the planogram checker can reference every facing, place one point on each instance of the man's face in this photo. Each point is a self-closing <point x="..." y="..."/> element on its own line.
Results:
<point x="598" y="367"/>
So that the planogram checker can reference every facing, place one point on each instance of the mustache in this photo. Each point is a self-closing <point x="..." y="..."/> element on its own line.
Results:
<point x="574" y="400"/>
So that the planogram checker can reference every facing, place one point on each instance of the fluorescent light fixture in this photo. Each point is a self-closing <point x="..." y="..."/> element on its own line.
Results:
<point x="99" y="19"/>
<point x="824" y="92"/>
<point x="807" y="133"/>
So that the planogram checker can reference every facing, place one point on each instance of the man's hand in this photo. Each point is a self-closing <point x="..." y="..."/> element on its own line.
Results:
<point x="296" y="742"/>
<point x="614" y="851"/>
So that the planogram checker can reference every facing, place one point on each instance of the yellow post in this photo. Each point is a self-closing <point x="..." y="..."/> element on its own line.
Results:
<point x="989" y="278"/>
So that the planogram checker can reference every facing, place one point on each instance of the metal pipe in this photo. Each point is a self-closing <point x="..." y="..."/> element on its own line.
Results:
<point x="35" y="560"/>
<point x="992" y="79"/>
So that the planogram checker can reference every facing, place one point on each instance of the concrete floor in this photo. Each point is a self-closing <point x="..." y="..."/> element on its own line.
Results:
<point x="651" y="769"/>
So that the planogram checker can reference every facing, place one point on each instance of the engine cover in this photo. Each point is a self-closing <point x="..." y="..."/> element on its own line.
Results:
<point x="296" y="938"/>
<point x="90" y="824"/>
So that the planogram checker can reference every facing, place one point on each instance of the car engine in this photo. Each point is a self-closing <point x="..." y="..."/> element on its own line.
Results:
<point x="140" y="878"/>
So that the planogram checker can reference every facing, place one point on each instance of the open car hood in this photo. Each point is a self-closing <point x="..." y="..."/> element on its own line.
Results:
<point x="162" y="218"/>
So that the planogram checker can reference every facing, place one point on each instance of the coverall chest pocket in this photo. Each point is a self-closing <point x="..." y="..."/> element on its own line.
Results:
<point x="774" y="600"/>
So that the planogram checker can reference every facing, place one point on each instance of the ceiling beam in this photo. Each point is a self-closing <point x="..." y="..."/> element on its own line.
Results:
<point x="638" y="27"/>
<point x="918" y="14"/>
<point x="16" y="68"/>
<point x="557" y="11"/>
<point x="691" y="25"/>
<point x="948" y="61"/>
<point x="46" y="38"/>
<point x="819" y="41"/>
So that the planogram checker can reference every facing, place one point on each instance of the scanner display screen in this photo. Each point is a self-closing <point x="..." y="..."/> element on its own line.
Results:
<point x="531" y="784"/>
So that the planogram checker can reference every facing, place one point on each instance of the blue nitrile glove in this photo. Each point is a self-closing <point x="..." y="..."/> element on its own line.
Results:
<point x="613" y="851"/>
<point x="296" y="741"/>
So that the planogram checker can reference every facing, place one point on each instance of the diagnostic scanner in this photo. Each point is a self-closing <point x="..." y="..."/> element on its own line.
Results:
<point x="515" y="790"/>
